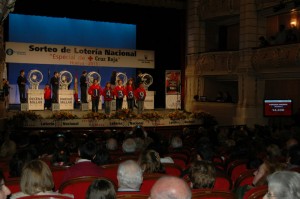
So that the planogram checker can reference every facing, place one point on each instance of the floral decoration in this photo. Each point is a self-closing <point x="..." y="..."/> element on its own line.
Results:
<point x="98" y="116"/>
<point x="123" y="114"/>
<point x="63" y="115"/>
<point x="178" y="115"/>
<point x="151" y="116"/>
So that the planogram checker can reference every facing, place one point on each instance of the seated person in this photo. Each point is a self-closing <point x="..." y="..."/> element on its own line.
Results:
<point x="149" y="161"/>
<point x="36" y="179"/>
<point x="202" y="175"/>
<point x="293" y="157"/>
<point x="101" y="189"/>
<point x="19" y="160"/>
<point x="102" y="157"/>
<point x="170" y="187"/>
<point x="283" y="184"/>
<point x="4" y="190"/>
<point x="129" y="146"/>
<point x="61" y="157"/>
<point x="260" y="177"/>
<point x="130" y="176"/>
<point x="111" y="144"/>
<point x="84" y="166"/>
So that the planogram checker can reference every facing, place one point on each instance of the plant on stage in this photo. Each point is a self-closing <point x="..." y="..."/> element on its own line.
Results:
<point x="26" y="115"/>
<point x="178" y="115"/>
<point x="151" y="116"/>
<point x="96" y="116"/>
<point x="123" y="114"/>
<point x="208" y="119"/>
<point x="63" y="115"/>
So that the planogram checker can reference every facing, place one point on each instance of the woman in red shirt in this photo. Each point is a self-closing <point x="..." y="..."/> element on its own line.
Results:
<point x="119" y="92"/>
<point x="130" y="94"/>
<point x="47" y="96"/>
<point x="140" y="95"/>
<point x="108" y="95"/>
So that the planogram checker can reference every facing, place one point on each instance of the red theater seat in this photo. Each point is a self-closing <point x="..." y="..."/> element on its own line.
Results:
<point x="58" y="173"/>
<point x="213" y="194"/>
<point x="13" y="184"/>
<point x="256" y="192"/>
<point x="132" y="196"/>
<point x="45" y="197"/>
<point x="148" y="182"/>
<point x="172" y="169"/>
<point x="110" y="171"/>
<point x="79" y="186"/>
<point x="246" y="178"/>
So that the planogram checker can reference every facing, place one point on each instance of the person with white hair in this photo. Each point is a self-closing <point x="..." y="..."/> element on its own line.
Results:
<point x="129" y="145"/>
<point x="283" y="184"/>
<point x="170" y="187"/>
<point x="130" y="176"/>
<point x="176" y="143"/>
<point x="111" y="144"/>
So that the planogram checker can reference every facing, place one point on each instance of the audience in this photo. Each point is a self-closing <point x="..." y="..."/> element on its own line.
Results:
<point x="36" y="179"/>
<point x="130" y="176"/>
<point x="293" y="157"/>
<point x="4" y="190"/>
<point x="84" y="166"/>
<point x="101" y="189"/>
<point x="8" y="147"/>
<point x="283" y="184"/>
<point x="149" y="161"/>
<point x="170" y="187"/>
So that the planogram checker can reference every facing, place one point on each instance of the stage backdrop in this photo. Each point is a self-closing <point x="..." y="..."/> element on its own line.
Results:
<point x="63" y="31"/>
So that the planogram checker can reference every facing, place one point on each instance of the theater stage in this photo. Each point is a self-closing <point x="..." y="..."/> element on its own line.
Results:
<point x="85" y="119"/>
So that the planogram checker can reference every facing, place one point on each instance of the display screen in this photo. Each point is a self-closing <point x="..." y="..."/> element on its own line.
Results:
<point x="275" y="107"/>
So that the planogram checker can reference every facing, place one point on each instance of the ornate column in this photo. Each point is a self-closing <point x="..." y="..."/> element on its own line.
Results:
<point x="251" y="87"/>
<point x="195" y="44"/>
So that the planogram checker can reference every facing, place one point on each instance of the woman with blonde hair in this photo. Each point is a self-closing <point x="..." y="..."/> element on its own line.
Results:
<point x="36" y="179"/>
<point x="149" y="161"/>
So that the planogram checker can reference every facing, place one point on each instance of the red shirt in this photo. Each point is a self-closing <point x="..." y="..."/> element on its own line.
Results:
<point x="107" y="94"/>
<point x="140" y="94"/>
<point x="95" y="91"/>
<point x="47" y="93"/>
<point x="119" y="92"/>
<point x="129" y="92"/>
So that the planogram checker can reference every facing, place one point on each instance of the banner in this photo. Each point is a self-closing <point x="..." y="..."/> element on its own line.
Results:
<point x="33" y="53"/>
<point x="173" y="89"/>
<point x="173" y="82"/>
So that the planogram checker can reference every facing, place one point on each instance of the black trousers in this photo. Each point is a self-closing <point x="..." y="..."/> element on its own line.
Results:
<point x="95" y="104"/>
<point x="119" y="103"/>
<point x="83" y="94"/>
<point x="22" y="94"/>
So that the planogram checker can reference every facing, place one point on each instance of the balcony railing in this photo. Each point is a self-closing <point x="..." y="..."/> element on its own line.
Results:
<point x="217" y="8"/>
<point x="282" y="57"/>
<point x="217" y="63"/>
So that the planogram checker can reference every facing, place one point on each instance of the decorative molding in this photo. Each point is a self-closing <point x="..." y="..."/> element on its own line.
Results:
<point x="216" y="8"/>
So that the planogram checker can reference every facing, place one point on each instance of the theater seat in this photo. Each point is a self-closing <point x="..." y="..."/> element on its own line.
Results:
<point x="246" y="178"/>
<point x="58" y="173"/>
<point x="148" y="181"/>
<point x="132" y="196"/>
<point x="172" y="169"/>
<point x="213" y="194"/>
<point x="79" y="186"/>
<point x="45" y="197"/>
<point x="222" y="183"/>
<point x="256" y="192"/>
<point x="110" y="171"/>
<point x="13" y="184"/>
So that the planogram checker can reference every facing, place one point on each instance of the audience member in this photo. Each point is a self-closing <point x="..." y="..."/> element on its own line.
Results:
<point x="61" y="157"/>
<point x="19" y="160"/>
<point x="260" y="176"/>
<point x="111" y="144"/>
<point x="130" y="176"/>
<point x="36" y="179"/>
<point x="263" y="42"/>
<point x="84" y="166"/>
<point x="170" y="187"/>
<point x="202" y="175"/>
<point x="293" y="157"/>
<point x="273" y="152"/>
<point x="129" y="146"/>
<point x="8" y="147"/>
<point x="102" y="157"/>
<point x="149" y="161"/>
<point x="281" y="36"/>
<point x="4" y="190"/>
<point x="101" y="189"/>
<point x="283" y="184"/>
<point x="176" y="143"/>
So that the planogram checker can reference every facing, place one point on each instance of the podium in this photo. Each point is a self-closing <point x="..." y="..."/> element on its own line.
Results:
<point x="66" y="99"/>
<point x="35" y="99"/>
<point x="149" y="100"/>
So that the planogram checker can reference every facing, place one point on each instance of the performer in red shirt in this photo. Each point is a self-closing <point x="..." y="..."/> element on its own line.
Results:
<point x="108" y="95"/>
<point x="47" y="96"/>
<point x="130" y="94"/>
<point x="95" y="92"/>
<point x="140" y="95"/>
<point x="119" y="92"/>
